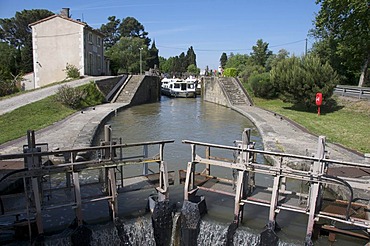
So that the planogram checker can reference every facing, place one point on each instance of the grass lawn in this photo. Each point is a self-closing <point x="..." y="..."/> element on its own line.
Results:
<point x="347" y="123"/>
<point x="43" y="113"/>
<point x="34" y="116"/>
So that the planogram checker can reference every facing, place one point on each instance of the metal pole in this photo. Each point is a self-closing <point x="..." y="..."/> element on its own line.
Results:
<point x="141" y="62"/>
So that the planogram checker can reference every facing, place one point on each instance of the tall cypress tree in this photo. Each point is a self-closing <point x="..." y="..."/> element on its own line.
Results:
<point x="153" y="59"/>
<point x="190" y="57"/>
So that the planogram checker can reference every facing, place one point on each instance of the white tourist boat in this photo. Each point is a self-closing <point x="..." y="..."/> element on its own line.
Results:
<point x="198" y="86"/>
<point x="178" y="88"/>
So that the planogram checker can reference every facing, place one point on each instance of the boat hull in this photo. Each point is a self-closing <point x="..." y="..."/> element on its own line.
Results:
<point x="181" y="94"/>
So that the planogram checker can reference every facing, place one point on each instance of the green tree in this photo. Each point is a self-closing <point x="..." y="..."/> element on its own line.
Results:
<point x="260" y="53"/>
<point x="110" y="31"/>
<point x="9" y="71"/>
<point x="223" y="60"/>
<point x="238" y="61"/>
<point x="193" y="70"/>
<point x="273" y="59"/>
<point x="17" y="33"/>
<point x="298" y="79"/>
<point x="153" y="59"/>
<point x="178" y="65"/>
<point x="125" y="55"/>
<point x="344" y="27"/>
<point x="191" y="57"/>
<point x="164" y="65"/>
<point x="262" y="85"/>
<point x="131" y="27"/>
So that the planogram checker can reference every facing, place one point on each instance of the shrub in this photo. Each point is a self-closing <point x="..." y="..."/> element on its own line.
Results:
<point x="230" y="72"/>
<point x="71" y="97"/>
<point x="262" y="85"/>
<point x="80" y="97"/>
<point x="72" y="71"/>
<point x="298" y="79"/>
<point x="93" y="95"/>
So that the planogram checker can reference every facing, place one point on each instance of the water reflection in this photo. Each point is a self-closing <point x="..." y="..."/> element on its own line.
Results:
<point x="180" y="119"/>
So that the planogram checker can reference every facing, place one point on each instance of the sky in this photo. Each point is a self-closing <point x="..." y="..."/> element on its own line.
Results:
<point x="211" y="27"/>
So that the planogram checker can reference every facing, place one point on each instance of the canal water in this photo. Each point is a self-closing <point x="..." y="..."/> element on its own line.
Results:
<point x="191" y="119"/>
<point x="194" y="119"/>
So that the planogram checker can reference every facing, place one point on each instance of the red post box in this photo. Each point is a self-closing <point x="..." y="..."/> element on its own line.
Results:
<point x="318" y="101"/>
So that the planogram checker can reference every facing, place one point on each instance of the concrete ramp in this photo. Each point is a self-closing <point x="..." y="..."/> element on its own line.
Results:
<point x="234" y="91"/>
<point x="138" y="89"/>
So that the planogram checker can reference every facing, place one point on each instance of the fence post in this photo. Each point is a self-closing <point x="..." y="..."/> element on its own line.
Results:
<point x="314" y="198"/>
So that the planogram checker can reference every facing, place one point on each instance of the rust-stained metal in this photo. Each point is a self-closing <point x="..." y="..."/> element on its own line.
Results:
<point x="277" y="197"/>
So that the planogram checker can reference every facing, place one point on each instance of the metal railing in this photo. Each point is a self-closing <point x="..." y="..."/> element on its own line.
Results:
<point x="34" y="201"/>
<point x="246" y="192"/>
<point x="353" y="91"/>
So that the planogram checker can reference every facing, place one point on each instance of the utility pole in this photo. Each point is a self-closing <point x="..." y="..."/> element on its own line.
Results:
<point x="141" y="62"/>
<point x="305" y="53"/>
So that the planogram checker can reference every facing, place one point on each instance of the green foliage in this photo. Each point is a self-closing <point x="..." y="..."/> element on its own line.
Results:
<point x="230" y="72"/>
<point x="125" y="55"/>
<point x="153" y="59"/>
<point x="250" y="70"/>
<point x="9" y="72"/>
<point x="193" y="70"/>
<point x="72" y="71"/>
<point x="343" y="31"/>
<point x="80" y="97"/>
<point x="299" y="79"/>
<point x="238" y="61"/>
<point x="262" y="85"/>
<point x="191" y="57"/>
<point x="260" y="53"/>
<point x="93" y="95"/>
<point x="132" y="28"/>
<point x="223" y="60"/>
<point x="178" y="65"/>
<point x="17" y="33"/>
<point x="110" y="31"/>
<point x="69" y="96"/>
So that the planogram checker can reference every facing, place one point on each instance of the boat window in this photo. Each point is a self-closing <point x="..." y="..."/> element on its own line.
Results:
<point x="177" y="85"/>
<point x="183" y="87"/>
<point x="171" y="86"/>
<point x="191" y="86"/>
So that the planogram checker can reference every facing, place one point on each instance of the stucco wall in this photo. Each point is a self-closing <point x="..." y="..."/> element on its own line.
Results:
<point x="212" y="92"/>
<point x="56" y="42"/>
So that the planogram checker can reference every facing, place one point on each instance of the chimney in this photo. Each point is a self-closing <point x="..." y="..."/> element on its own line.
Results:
<point x="65" y="12"/>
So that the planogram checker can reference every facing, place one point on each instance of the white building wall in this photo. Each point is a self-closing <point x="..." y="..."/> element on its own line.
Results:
<point x="81" y="42"/>
<point x="56" y="42"/>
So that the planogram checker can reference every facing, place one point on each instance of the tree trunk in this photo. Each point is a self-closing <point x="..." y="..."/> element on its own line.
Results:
<point x="364" y="73"/>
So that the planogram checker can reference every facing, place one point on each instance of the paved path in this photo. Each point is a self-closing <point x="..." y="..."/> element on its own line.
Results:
<point x="77" y="130"/>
